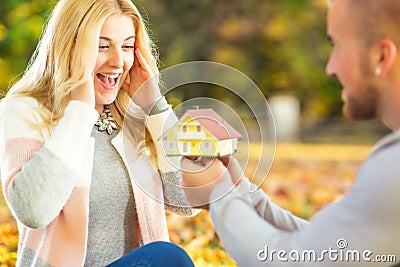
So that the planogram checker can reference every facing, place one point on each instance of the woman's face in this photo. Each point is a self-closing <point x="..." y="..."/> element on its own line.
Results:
<point x="115" y="58"/>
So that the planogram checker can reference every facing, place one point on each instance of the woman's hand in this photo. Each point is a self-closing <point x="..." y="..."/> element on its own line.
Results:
<point x="85" y="92"/>
<point x="143" y="85"/>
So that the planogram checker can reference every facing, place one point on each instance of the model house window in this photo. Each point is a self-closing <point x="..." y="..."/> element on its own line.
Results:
<point x="198" y="128"/>
<point x="184" y="128"/>
<point x="185" y="148"/>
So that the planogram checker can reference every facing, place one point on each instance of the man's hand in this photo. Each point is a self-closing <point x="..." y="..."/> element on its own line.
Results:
<point x="234" y="168"/>
<point x="201" y="177"/>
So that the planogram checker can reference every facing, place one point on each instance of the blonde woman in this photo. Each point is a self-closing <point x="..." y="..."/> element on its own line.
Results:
<point x="66" y="173"/>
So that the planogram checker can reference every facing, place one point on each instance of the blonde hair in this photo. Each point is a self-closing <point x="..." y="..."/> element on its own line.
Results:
<point x="66" y="54"/>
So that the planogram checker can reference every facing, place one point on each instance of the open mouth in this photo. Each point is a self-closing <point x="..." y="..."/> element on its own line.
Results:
<point x="108" y="80"/>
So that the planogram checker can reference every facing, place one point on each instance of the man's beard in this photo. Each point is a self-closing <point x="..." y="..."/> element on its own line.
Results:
<point x="362" y="108"/>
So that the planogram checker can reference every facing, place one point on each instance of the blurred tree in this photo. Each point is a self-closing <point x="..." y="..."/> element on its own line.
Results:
<point x="20" y="27"/>
<point x="280" y="45"/>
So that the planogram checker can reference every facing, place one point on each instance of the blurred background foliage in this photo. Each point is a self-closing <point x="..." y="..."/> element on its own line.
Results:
<point x="280" y="45"/>
<point x="21" y="24"/>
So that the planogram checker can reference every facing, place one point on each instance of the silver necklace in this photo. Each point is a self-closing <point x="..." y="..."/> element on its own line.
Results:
<point x="106" y="122"/>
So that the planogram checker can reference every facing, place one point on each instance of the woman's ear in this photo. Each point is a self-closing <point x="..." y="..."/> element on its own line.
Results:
<point x="387" y="55"/>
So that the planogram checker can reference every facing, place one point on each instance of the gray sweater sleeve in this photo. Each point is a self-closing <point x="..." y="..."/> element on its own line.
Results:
<point x="41" y="189"/>
<point x="174" y="196"/>
<point x="159" y="106"/>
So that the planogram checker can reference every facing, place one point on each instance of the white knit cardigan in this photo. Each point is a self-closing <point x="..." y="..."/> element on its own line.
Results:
<point x="59" y="238"/>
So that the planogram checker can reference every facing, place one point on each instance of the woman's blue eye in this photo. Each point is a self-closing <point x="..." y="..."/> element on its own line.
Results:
<point x="103" y="47"/>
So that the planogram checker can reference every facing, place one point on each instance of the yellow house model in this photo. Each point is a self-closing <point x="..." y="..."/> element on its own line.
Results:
<point x="201" y="132"/>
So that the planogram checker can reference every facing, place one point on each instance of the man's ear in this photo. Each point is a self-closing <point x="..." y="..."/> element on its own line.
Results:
<point x="387" y="55"/>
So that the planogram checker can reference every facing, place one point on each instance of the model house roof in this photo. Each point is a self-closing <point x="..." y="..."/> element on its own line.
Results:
<point x="214" y="123"/>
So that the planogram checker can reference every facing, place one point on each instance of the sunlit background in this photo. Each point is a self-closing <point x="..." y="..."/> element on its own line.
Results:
<point x="282" y="47"/>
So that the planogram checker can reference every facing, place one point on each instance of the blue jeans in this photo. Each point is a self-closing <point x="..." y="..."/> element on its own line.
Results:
<point x="156" y="254"/>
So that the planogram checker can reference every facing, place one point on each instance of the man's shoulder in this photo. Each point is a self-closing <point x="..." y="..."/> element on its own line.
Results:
<point x="382" y="163"/>
<point x="390" y="142"/>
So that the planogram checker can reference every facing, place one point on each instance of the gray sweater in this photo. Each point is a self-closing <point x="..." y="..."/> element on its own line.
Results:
<point x="113" y="225"/>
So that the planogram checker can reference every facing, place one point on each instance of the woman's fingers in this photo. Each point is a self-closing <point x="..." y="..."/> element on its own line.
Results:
<point x="141" y="60"/>
<point x="85" y="92"/>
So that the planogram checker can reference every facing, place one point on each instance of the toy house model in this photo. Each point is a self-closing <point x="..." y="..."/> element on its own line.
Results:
<point x="201" y="132"/>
